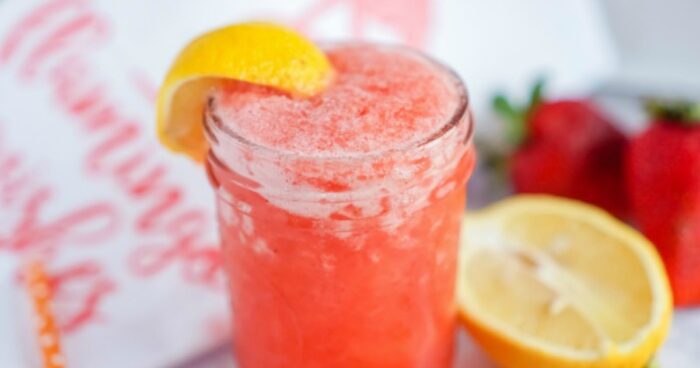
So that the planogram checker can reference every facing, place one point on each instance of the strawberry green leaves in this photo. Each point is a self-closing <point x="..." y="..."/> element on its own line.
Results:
<point x="681" y="112"/>
<point x="516" y="116"/>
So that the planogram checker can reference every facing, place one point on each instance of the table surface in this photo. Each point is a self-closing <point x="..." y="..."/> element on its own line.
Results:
<point x="682" y="350"/>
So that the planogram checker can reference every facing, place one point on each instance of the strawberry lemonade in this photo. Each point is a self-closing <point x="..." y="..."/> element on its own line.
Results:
<point x="339" y="214"/>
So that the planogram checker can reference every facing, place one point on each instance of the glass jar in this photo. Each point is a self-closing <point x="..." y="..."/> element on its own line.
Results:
<point x="342" y="261"/>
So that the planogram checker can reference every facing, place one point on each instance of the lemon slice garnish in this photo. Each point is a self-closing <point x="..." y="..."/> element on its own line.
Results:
<point x="259" y="53"/>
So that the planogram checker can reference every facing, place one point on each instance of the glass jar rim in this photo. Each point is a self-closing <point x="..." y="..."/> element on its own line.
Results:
<point x="213" y="124"/>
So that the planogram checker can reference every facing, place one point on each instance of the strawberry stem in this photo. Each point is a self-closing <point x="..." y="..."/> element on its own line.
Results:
<point x="536" y="96"/>
<point x="681" y="112"/>
<point x="516" y="117"/>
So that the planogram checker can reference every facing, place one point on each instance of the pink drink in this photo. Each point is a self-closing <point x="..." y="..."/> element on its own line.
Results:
<point x="339" y="214"/>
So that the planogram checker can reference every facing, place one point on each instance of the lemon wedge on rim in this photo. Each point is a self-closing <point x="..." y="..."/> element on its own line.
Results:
<point x="553" y="283"/>
<point x="258" y="53"/>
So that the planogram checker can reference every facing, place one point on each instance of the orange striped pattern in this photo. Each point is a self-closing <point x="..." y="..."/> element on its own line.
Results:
<point x="39" y="289"/>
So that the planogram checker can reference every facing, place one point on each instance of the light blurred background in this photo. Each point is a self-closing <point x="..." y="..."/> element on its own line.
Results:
<point x="57" y="54"/>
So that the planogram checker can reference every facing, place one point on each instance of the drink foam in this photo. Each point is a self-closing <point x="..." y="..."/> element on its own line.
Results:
<point x="381" y="98"/>
<point x="379" y="142"/>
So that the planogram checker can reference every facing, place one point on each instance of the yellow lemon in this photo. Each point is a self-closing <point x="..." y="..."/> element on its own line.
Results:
<point x="258" y="53"/>
<point x="553" y="283"/>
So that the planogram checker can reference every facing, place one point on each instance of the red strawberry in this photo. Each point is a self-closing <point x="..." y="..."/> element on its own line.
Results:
<point x="566" y="148"/>
<point x="663" y="181"/>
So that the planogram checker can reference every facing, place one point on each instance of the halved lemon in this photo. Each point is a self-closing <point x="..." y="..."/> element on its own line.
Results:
<point x="259" y="53"/>
<point x="553" y="283"/>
